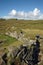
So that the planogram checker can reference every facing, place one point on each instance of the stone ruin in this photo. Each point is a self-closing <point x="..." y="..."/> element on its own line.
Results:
<point x="22" y="55"/>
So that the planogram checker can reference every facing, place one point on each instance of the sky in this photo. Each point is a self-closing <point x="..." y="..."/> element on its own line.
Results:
<point x="21" y="9"/>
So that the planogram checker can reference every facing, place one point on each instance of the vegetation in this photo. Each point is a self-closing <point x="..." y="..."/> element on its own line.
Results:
<point x="30" y="28"/>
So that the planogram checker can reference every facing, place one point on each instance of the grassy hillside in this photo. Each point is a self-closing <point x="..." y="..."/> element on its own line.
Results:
<point x="8" y="41"/>
<point x="5" y="25"/>
<point x="31" y="26"/>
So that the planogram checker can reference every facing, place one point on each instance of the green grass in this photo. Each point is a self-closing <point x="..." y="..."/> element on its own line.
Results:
<point x="6" y="25"/>
<point x="32" y="33"/>
<point x="30" y="28"/>
<point x="8" y="40"/>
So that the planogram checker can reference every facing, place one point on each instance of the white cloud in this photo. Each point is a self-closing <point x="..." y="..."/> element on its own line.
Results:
<point x="41" y="16"/>
<point x="36" y="12"/>
<point x="21" y="13"/>
<point x="13" y="12"/>
<point x="7" y="17"/>
<point x="31" y="15"/>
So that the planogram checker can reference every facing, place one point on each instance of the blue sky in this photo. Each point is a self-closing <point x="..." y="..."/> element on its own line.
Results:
<point x="6" y="6"/>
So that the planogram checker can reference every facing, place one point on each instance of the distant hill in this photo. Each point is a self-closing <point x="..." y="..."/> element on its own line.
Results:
<point x="2" y="19"/>
<point x="5" y="25"/>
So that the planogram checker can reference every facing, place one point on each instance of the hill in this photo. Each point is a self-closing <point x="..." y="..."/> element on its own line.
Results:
<point x="34" y="26"/>
<point x="30" y="28"/>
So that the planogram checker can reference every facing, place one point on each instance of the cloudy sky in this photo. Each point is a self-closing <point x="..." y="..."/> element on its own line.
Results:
<point x="21" y="9"/>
